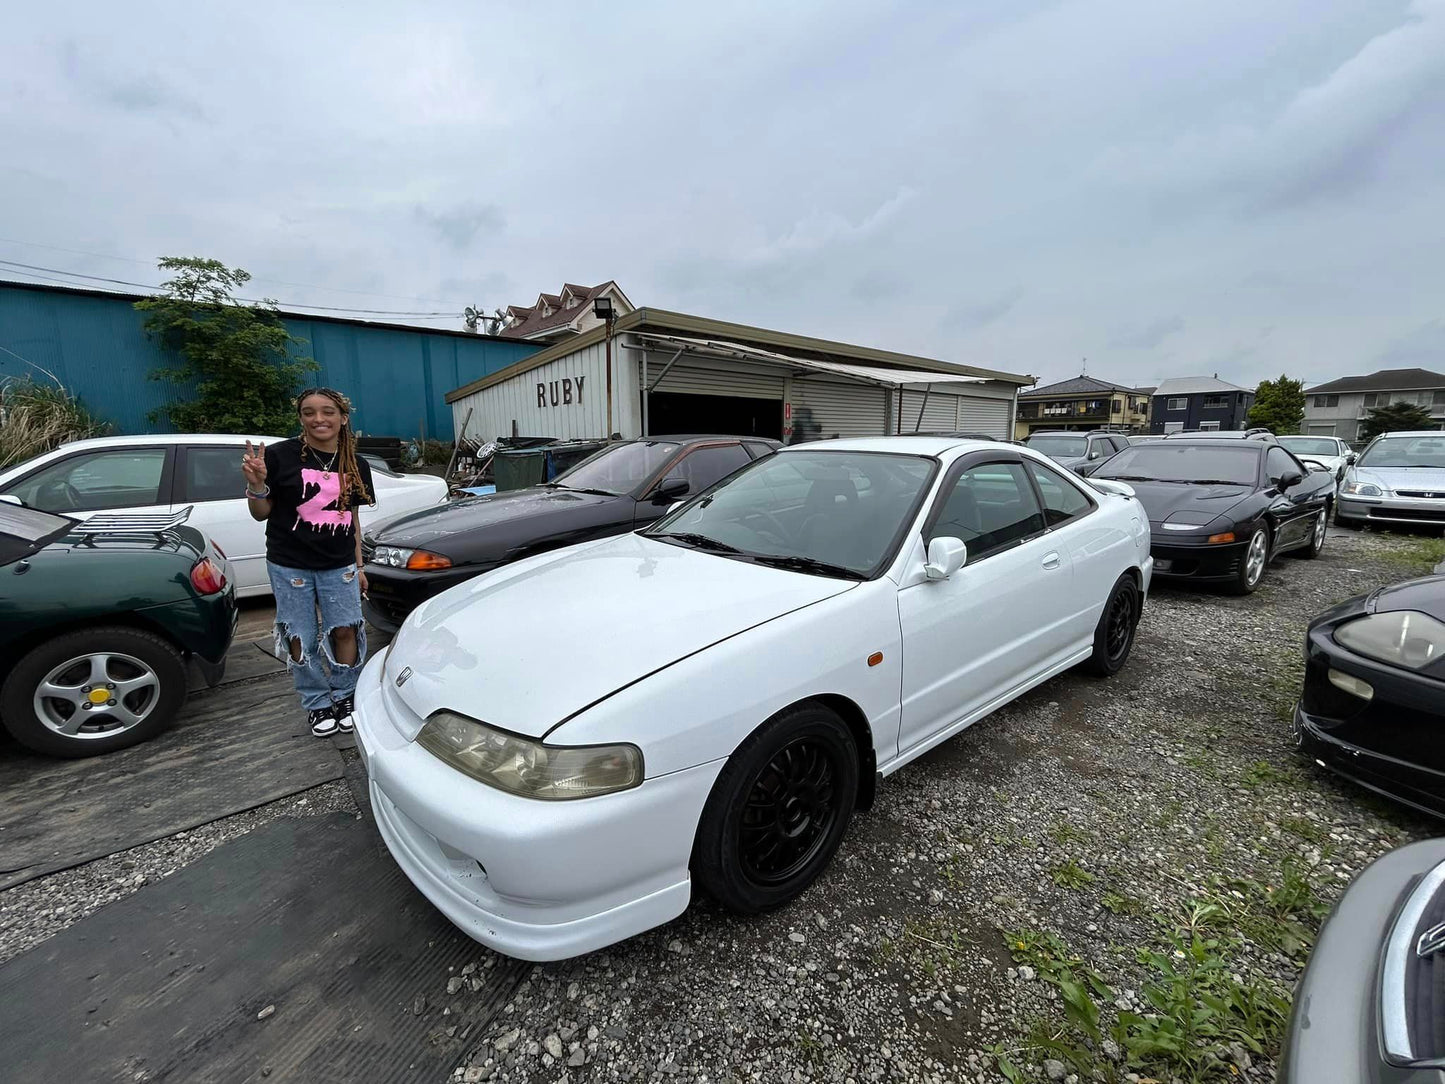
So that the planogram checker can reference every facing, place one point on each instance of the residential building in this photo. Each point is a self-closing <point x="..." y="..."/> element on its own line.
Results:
<point x="1199" y="402"/>
<point x="554" y="317"/>
<point x="1336" y="408"/>
<point x="1082" y="402"/>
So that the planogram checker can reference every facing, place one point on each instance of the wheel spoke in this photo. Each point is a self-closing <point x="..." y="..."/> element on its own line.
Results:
<point x="147" y="680"/>
<point x="124" y="714"/>
<point x="69" y="693"/>
<point x="72" y="725"/>
<point x="99" y="669"/>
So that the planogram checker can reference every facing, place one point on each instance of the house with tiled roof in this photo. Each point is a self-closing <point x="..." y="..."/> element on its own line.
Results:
<point x="554" y="317"/>
<point x="1082" y="402"/>
<point x="1336" y="408"/>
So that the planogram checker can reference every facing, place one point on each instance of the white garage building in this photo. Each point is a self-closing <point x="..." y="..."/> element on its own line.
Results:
<point x="673" y="373"/>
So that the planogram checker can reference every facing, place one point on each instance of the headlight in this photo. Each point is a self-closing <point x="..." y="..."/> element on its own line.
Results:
<point x="1363" y="489"/>
<point x="416" y="560"/>
<point x="528" y="768"/>
<point x="1400" y="638"/>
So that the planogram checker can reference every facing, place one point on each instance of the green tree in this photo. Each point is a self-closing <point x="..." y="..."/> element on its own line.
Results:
<point x="1392" y="418"/>
<point x="1279" y="405"/>
<point x="239" y="358"/>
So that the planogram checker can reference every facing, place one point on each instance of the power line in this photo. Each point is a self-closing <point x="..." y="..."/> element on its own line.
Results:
<point x="37" y="271"/>
<point x="257" y="278"/>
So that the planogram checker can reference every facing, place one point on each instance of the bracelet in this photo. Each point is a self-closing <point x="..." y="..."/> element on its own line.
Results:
<point x="258" y="496"/>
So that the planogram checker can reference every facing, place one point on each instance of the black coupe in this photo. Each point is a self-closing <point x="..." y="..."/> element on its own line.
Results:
<point x="623" y="487"/>
<point x="1221" y="510"/>
<point x="1373" y="705"/>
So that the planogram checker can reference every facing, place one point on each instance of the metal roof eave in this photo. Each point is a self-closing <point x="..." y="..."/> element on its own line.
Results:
<point x="663" y="321"/>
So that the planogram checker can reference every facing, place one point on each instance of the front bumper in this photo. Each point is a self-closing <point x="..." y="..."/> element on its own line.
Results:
<point x="1334" y="1027"/>
<point x="533" y="879"/>
<point x="393" y="593"/>
<point x="1196" y="562"/>
<point x="1410" y="511"/>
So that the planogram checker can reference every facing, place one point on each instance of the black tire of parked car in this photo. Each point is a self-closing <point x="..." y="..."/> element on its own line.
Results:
<point x="789" y="787"/>
<point x="1317" y="534"/>
<point x="1114" y="634"/>
<point x="1242" y="584"/>
<point x="17" y="709"/>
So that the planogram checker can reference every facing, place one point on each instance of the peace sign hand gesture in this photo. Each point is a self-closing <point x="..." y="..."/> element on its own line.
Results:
<point x="253" y="466"/>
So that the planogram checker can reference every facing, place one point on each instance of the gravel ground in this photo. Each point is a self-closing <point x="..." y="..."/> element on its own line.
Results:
<point x="1092" y="811"/>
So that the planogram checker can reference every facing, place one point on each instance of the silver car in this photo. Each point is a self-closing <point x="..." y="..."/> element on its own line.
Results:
<point x="1399" y="478"/>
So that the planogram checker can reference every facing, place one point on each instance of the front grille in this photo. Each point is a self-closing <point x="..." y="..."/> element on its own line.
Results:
<point x="1422" y="494"/>
<point x="1433" y="515"/>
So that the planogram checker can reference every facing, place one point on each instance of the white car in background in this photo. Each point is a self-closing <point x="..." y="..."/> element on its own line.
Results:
<point x="167" y="472"/>
<point x="560" y="749"/>
<point x="1329" y="452"/>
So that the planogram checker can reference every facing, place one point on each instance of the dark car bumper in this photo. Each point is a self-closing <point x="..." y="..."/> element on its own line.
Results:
<point x="1202" y="563"/>
<point x="393" y="593"/>
<point x="1394" y="743"/>
<point x="204" y="627"/>
<point x="1334" y="1030"/>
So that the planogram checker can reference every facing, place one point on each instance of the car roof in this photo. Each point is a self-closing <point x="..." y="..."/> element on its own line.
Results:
<point x="1413" y="433"/>
<point x="1194" y="438"/>
<point x="698" y="438"/>
<point x="906" y="445"/>
<point x="164" y="438"/>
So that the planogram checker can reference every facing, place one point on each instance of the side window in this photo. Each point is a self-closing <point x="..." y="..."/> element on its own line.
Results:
<point x="1119" y="443"/>
<point x="756" y="450"/>
<point x="212" y="473"/>
<point x="704" y="466"/>
<point x="119" y="478"/>
<point x="1278" y="463"/>
<point x="1062" y="499"/>
<point x="990" y="507"/>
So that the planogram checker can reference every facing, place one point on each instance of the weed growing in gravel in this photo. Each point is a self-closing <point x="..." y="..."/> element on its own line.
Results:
<point x="1420" y="554"/>
<point x="1262" y="772"/>
<point x="1120" y="903"/>
<point x="1305" y="829"/>
<point x="1066" y="833"/>
<point x="1072" y="875"/>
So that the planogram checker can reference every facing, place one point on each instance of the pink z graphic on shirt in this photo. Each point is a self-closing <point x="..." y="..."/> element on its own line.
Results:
<point x="318" y="511"/>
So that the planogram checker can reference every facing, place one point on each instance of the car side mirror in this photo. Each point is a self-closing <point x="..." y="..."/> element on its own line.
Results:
<point x="1289" y="479"/>
<point x="670" y="489"/>
<point x="1095" y="453"/>
<point x="945" y="557"/>
<point x="1350" y="459"/>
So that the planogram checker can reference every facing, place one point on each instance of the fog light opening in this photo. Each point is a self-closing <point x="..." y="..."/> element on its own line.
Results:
<point x="1351" y="684"/>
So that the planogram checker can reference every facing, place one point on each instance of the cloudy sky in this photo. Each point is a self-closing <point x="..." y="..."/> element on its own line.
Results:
<point x="1164" y="188"/>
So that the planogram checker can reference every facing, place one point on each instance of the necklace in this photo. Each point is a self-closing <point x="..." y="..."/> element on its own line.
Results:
<point x="325" y="467"/>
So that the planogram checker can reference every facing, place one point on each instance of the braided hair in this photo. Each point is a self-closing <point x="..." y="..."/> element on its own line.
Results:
<point x="346" y="463"/>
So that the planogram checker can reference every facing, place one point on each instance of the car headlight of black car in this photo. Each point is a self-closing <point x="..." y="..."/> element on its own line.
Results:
<point x="416" y="560"/>
<point x="1198" y="527"/>
<point x="1404" y="638"/>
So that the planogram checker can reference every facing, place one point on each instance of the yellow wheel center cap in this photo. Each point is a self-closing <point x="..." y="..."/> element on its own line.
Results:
<point x="99" y="696"/>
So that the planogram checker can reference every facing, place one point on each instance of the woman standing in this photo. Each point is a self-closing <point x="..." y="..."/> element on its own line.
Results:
<point x="307" y="491"/>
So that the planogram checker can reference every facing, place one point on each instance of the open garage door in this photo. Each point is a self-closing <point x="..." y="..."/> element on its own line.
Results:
<point x="730" y="415"/>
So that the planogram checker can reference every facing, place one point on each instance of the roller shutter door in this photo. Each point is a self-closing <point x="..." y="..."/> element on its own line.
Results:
<point x="990" y="416"/>
<point x="940" y="413"/>
<point x="691" y="379"/>
<point x="825" y="408"/>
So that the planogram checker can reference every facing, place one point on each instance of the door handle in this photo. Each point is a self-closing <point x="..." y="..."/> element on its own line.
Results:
<point x="1051" y="561"/>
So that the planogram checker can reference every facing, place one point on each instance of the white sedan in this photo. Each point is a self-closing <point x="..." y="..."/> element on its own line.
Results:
<point x="559" y="750"/>
<point x="1329" y="452"/>
<point x="165" y="473"/>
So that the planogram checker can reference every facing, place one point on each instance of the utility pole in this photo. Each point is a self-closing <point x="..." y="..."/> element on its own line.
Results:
<point x="602" y="309"/>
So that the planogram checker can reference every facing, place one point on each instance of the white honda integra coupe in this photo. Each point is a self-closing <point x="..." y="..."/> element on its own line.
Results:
<point x="560" y="750"/>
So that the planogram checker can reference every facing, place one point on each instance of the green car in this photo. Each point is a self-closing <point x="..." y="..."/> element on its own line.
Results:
<point x="99" y="621"/>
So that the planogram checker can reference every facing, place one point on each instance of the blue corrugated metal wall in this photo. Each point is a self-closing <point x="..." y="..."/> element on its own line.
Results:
<point x="397" y="379"/>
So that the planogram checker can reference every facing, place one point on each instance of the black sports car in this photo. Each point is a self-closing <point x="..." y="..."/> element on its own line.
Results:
<point x="1373" y="705"/>
<point x="1221" y="510"/>
<point x="623" y="487"/>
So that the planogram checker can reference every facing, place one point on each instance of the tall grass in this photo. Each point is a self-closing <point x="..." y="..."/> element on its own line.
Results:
<point x="35" y="418"/>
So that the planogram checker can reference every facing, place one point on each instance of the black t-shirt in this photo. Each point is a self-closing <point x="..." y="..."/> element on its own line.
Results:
<point x="310" y="526"/>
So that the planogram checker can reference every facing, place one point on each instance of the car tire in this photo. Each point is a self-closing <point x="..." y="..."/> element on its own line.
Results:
<point x="1317" y="535"/>
<point x="766" y="833"/>
<point x="129" y="656"/>
<point x="1251" y="575"/>
<point x="1114" y="634"/>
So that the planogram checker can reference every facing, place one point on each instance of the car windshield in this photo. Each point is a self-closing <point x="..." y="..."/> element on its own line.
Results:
<point x="1310" y="445"/>
<point x="28" y="524"/>
<point x="620" y="468"/>
<point x="1170" y="461"/>
<point x="837" y="513"/>
<point x="1060" y="445"/>
<point x="1418" y="451"/>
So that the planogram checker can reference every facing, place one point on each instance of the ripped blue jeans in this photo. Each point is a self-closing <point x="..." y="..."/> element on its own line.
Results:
<point x="310" y="607"/>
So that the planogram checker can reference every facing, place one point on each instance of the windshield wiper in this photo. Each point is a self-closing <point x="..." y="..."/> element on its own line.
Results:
<point x="808" y="564"/>
<point x="1208" y="482"/>
<point x="701" y="541"/>
<point x="575" y="489"/>
<point x="1129" y="478"/>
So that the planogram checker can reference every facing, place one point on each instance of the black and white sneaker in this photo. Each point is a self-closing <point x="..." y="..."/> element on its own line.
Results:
<point x="344" y="717"/>
<point x="323" y="721"/>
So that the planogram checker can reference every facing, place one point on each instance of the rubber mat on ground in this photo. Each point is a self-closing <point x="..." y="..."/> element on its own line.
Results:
<point x="297" y="952"/>
<point x="233" y="749"/>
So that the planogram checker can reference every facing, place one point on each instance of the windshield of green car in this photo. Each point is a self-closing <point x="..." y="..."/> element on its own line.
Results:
<point x="1417" y="451"/>
<point x="1310" y="445"/>
<point x="1170" y="461"/>
<point x="24" y="530"/>
<point x="1059" y="445"/>
<point x="843" y="510"/>
<point x="619" y="469"/>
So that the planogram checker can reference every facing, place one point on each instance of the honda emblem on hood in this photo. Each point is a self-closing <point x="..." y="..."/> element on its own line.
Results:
<point x="401" y="678"/>
<point x="1431" y="941"/>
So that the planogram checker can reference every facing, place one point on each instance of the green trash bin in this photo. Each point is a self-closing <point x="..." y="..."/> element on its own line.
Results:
<point x="519" y="468"/>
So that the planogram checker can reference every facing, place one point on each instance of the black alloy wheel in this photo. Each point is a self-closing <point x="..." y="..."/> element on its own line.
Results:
<point x="778" y="810"/>
<point x="1114" y="634"/>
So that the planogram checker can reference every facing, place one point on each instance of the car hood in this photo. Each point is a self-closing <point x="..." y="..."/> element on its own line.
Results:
<point x="1070" y="461"/>
<point x="530" y="645"/>
<point x="457" y="529"/>
<point x="1430" y="479"/>
<point x="1426" y="596"/>
<point x="1163" y="499"/>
